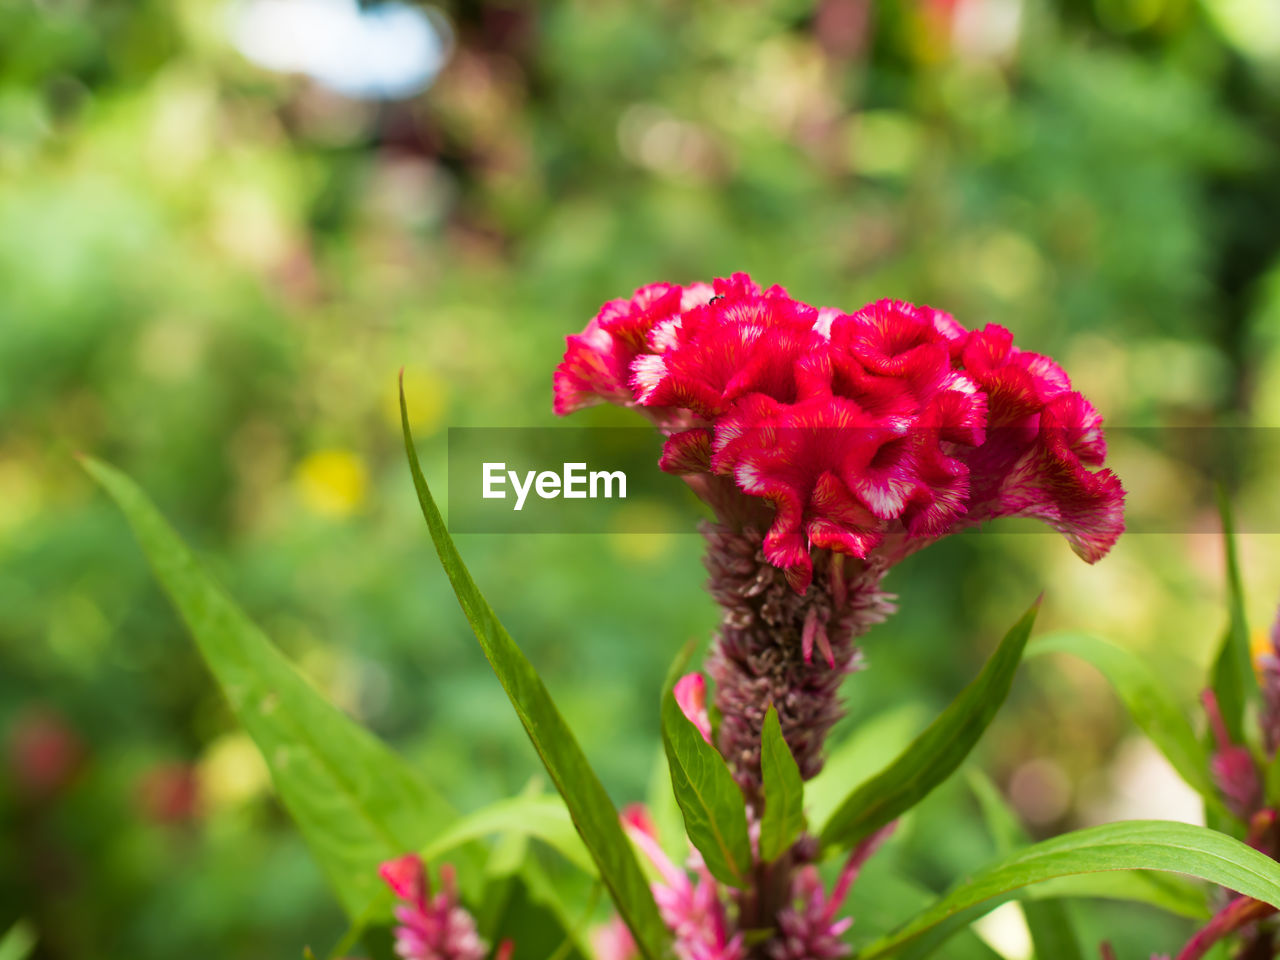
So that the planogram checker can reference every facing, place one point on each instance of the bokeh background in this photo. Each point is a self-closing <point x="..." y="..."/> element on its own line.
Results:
<point x="224" y="226"/>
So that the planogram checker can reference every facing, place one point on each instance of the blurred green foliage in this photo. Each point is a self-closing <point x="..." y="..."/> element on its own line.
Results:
<point x="210" y="273"/>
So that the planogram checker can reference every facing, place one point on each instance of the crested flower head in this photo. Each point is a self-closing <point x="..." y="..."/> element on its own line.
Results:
<point x="597" y="363"/>
<point x="867" y="434"/>
<point x="431" y="927"/>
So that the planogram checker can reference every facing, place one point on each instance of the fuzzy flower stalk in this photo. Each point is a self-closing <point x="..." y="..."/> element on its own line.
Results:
<point x="830" y="446"/>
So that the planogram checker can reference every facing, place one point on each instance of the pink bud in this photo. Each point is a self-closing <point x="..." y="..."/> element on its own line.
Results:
<point x="613" y="941"/>
<point x="405" y="877"/>
<point x="637" y="815"/>
<point x="1232" y="765"/>
<point x="691" y="695"/>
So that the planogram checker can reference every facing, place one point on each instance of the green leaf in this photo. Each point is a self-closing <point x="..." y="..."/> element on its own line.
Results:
<point x="1233" y="680"/>
<point x="870" y="745"/>
<point x="783" y="791"/>
<point x="884" y="895"/>
<point x="543" y="817"/>
<point x="355" y="801"/>
<point x="1272" y="784"/>
<point x="519" y="903"/>
<point x="1146" y="699"/>
<point x="593" y="813"/>
<point x="534" y="924"/>
<point x="1129" y="845"/>
<point x="715" y="812"/>
<point x="1002" y="822"/>
<point x="660" y="801"/>
<point x="1166" y="891"/>
<point x="575" y="923"/>
<point x="18" y="942"/>
<point x="1052" y="933"/>
<point x="936" y="753"/>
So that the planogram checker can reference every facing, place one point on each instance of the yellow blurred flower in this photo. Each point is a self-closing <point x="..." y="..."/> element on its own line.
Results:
<point x="232" y="772"/>
<point x="425" y="396"/>
<point x="1259" y="647"/>
<point x="332" y="483"/>
<point x="21" y="494"/>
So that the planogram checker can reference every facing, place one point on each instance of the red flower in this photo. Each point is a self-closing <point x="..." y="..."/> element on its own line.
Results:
<point x="597" y="363"/>
<point x="868" y="434"/>
<point x="1041" y="437"/>
<point x="743" y="342"/>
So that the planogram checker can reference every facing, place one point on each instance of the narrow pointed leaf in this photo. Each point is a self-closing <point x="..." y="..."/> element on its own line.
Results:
<point x="1146" y="699"/>
<point x="868" y="747"/>
<point x="1166" y="891"/>
<point x="543" y="818"/>
<point x="520" y="906"/>
<point x="519" y="903"/>
<point x="937" y="752"/>
<point x="660" y="801"/>
<point x="884" y="896"/>
<point x="1007" y="833"/>
<point x="1233" y="679"/>
<point x="18" y="943"/>
<point x="1052" y="933"/>
<point x="1128" y="845"/>
<point x="356" y="802"/>
<point x="783" y="791"/>
<point x="593" y="813"/>
<point x="715" y="812"/>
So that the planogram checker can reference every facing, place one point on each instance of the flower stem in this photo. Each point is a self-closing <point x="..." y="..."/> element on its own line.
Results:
<point x="777" y="646"/>
<point x="1240" y="912"/>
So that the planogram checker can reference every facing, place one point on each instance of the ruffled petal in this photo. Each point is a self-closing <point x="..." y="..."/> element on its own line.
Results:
<point x="866" y="433"/>
<point x="597" y="362"/>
